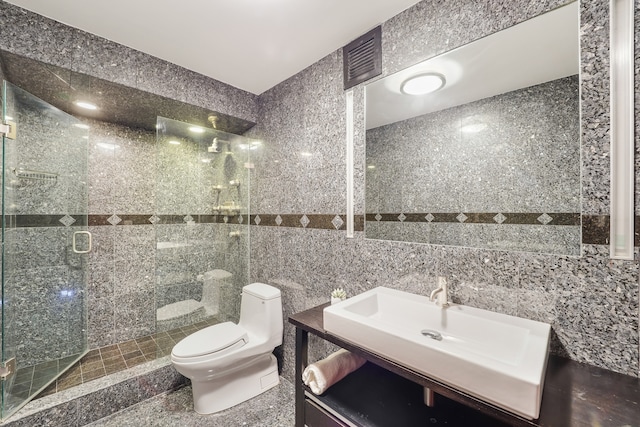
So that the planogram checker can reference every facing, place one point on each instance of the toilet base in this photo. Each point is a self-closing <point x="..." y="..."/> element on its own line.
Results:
<point x="236" y="386"/>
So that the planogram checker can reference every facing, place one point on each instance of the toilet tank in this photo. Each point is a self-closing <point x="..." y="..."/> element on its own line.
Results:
<point x="261" y="312"/>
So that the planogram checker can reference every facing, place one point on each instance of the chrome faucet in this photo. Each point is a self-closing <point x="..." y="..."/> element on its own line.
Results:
<point x="440" y="294"/>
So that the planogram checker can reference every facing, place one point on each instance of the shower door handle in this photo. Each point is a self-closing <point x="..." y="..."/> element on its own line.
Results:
<point x="75" y="250"/>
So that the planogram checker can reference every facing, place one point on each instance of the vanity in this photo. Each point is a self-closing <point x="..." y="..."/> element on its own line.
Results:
<point x="386" y="393"/>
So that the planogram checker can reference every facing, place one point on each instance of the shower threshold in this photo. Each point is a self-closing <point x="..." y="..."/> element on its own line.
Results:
<point x="106" y="380"/>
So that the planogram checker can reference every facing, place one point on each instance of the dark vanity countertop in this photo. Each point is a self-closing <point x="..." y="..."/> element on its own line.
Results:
<point x="574" y="394"/>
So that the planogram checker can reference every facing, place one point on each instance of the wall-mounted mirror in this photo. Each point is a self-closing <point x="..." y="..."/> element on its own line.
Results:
<point x="490" y="158"/>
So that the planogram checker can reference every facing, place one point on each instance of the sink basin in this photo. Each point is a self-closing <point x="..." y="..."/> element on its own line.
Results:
<point x="497" y="358"/>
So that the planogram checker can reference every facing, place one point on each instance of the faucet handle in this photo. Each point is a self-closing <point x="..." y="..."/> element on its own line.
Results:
<point x="443" y="292"/>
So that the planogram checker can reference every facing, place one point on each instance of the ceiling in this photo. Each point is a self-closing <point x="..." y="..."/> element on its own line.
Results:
<point x="250" y="44"/>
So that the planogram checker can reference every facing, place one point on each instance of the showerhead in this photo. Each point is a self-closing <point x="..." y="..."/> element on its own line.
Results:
<point x="216" y="146"/>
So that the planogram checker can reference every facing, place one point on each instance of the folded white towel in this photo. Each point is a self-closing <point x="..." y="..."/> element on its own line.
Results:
<point x="324" y="373"/>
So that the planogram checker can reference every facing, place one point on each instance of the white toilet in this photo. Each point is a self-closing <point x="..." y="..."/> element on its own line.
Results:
<point x="228" y="363"/>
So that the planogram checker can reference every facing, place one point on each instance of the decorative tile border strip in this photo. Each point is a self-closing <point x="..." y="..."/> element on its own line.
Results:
<point x="314" y="221"/>
<point x="15" y="221"/>
<point x="595" y="228"/>
<point x="528" y="218"/>
<point x="166" y="219"/>
<point x="65" y="220"/>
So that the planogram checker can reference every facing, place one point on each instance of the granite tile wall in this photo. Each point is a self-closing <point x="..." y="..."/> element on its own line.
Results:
<point x="590" y="301"/>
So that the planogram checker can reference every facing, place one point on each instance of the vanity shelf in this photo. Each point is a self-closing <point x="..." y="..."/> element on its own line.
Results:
<point x="574" y="393"/>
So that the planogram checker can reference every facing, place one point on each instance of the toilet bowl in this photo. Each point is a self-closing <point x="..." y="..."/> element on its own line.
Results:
<point x="230" y="363"/>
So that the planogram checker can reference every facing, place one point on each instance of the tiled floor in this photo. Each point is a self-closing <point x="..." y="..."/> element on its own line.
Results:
<point x="100" y="362"/>
<point x="32" y="378"/>
<point x="274" y="408"/>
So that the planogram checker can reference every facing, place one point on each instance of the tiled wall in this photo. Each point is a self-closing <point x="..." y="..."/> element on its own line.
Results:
<point x="514" y="185"/>
<point x="590" y="301"/>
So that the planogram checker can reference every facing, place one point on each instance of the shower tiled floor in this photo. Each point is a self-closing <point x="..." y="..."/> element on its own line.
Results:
<point x="30" y="379"/>
<point x="273" y="408"/>
<point x="99" y="362"/>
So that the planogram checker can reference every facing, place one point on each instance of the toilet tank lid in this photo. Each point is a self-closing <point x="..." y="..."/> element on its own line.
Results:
<point x="210" y="340"/>
<point x="261" y="290"/>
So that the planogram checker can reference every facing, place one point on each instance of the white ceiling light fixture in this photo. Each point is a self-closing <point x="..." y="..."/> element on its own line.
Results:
<point x="474" y="128"/>
<point x="86" y="105"/>
<point x="423" y="84"/>
<point x="107" y="146"/>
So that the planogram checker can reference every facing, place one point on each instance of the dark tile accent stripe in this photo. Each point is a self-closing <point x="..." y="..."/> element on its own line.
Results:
<point x="202" y="219"/>
<point x="558" y="218"/>
<point x="99" y="220"/>
<point x="323" y="222"/>
<point x="13" y="221"/>
<point x="267" y="220"/>
<point x="134" y="219"/>
<point x="42" y="220"/>
<point x="315" y="221"/>
<point x="595" y="230"/>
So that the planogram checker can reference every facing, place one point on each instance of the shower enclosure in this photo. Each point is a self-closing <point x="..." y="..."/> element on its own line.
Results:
<point x="45" y="243"/>
<point x="202" y="223"/>
<point x="199" y="177"/>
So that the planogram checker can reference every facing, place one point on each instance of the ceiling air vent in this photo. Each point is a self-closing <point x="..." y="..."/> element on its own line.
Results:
<point x="363" y="58"/>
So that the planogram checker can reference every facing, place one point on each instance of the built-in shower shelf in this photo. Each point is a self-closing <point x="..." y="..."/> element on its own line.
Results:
<point x="179" y="309"/>
<point x="171" y="245"/>
<point x="182" y="313"/>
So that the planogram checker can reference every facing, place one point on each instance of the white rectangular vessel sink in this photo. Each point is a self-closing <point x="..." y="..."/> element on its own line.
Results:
<point x="497" y="358"/>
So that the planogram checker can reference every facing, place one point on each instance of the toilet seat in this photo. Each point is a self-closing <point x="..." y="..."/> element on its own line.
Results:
<point x="220" y="339"/>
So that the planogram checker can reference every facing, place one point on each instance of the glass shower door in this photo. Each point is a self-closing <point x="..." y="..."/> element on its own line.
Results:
<point x="202" y="224"/>
<point x="45" y="245"/>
